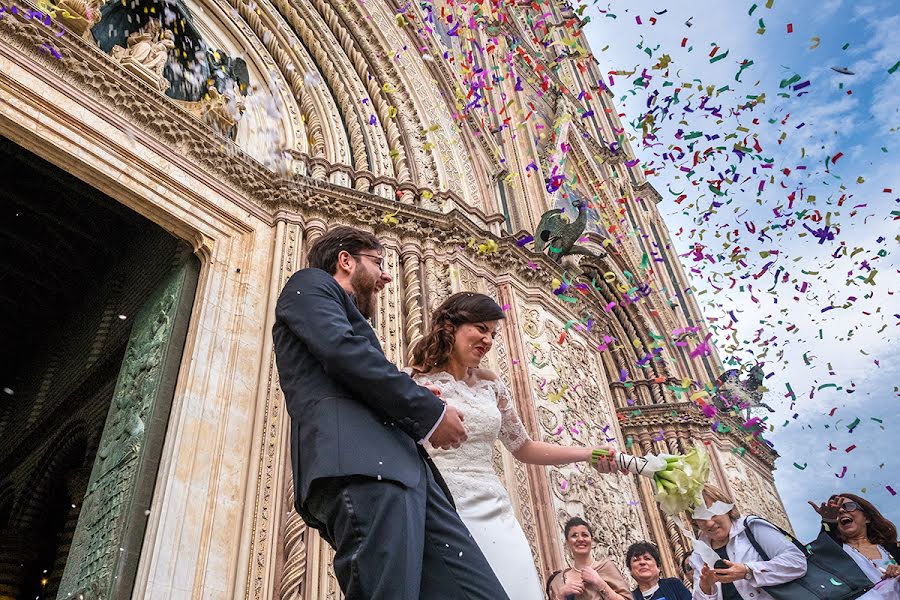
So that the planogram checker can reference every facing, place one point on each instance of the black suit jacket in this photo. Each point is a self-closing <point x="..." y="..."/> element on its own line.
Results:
<point x="352" y="411"/>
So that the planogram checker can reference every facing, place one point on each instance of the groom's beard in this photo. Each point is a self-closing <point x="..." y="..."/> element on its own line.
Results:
<point x="363" y="285"/>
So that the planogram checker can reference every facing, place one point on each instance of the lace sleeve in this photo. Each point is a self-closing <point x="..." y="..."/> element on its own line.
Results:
<point x="512" y="432"/>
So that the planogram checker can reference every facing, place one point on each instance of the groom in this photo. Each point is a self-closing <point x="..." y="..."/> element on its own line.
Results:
<point x="361" y="475"/>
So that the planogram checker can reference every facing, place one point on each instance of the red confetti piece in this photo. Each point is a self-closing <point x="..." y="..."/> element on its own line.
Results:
<point x="850" y="448"/>
<point x="835" y="158"/>
<point x="790" y="28"/>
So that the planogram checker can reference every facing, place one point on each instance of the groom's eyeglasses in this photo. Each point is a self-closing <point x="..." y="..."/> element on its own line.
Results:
<point x="379" y="260"/>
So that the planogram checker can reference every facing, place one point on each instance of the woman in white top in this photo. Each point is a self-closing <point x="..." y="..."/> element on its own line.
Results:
<point x="867" y="537"/>
<point x="746" y="573"/>
<point x="462" y="332"/>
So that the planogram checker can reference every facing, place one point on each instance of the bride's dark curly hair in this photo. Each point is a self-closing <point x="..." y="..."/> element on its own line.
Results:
<point x="434" y="349"/>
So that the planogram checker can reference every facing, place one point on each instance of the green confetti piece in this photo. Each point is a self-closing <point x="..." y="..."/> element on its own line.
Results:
<point x="894" y="68"/>
<point x="719" y="57"/>
<point x="752" y="8"/>
<point x="786" y="82"/>
<point x="799" y="467"/>
<point x="845" y="46"/>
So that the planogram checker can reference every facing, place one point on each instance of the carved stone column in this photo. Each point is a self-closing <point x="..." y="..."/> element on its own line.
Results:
<point x="294" y="541"/>
<point x="315" y="228"/>
<point x="412" y="297"/>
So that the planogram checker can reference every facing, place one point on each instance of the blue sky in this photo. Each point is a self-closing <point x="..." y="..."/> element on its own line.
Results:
<point x="845" y="145"/>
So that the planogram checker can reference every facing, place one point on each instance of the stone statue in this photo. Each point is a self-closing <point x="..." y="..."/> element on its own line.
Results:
<point x="148" y="51"/>
<point x="78" y="15"/>
<point x="555" y="231"/>
<point x="748" y="392"/>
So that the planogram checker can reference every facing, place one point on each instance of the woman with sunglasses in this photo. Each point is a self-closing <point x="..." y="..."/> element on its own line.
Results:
<point x="867" y="537"/>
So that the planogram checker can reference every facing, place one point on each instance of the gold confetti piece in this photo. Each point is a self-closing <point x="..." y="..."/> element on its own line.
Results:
<point x="816" y="40"/>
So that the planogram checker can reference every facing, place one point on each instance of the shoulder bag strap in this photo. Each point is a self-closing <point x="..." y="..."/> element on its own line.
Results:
<point x="752" y="539"/>
<point x="756" y="545"/>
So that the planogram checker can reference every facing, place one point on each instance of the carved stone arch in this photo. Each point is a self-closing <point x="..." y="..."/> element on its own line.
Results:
<point x="325" y="134"/>
<point x="438" y="158"/>
<point x="260" y="135"/>
<point x="359" y="41"/>
<point x="368" y="144"/>
<point x="475" y="139"/>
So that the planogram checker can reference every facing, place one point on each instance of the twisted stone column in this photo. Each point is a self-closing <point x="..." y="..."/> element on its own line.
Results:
<point x="294" y="542"/>
<point x="412" y="298"/>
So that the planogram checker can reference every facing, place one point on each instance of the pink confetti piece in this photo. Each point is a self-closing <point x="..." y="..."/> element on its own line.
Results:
<point x="891" y="490"/>
<point x="843" y="472"/>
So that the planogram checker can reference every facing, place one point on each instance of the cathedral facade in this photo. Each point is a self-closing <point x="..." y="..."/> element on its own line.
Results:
<point x="166" y="167"/>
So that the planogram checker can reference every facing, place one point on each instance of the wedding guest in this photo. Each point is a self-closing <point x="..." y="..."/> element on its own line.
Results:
<point x="643" y="560"/>
<point x="587" y="579"/>
<point x="744" y="574"/>
<point x="867" y="537"/>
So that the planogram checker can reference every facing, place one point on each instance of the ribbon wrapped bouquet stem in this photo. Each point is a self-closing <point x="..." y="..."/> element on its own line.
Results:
<point x="678" y="479"/>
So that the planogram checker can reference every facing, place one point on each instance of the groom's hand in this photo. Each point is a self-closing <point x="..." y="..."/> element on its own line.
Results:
<point x="450" y="432"/>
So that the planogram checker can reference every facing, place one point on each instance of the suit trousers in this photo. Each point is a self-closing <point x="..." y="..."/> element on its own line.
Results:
<point x="399" y="543"/>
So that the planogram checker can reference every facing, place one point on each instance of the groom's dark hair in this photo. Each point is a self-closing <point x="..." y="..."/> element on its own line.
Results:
<point x="434" y="349"/>
<point x="324" y="251"/>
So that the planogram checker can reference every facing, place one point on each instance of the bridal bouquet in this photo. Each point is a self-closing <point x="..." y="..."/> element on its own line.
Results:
<point x="678" y="479"/>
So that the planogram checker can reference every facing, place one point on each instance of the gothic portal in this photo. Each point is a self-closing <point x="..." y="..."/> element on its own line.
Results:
<point x="166" y="165"/>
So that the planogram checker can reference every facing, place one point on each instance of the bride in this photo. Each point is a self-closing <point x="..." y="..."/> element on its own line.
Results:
<point x="462" y="331"/>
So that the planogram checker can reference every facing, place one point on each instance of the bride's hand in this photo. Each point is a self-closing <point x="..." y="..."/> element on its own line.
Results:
<point x="433" y="389"/>
<point x="606" y="464"/>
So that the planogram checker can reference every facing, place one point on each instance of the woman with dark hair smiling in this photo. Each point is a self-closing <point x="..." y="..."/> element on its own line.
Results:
<point x="643" y="560"/>
<point x="587" y="579"/>
<point x="462" y="332"/>
<point x="867" y="537"/>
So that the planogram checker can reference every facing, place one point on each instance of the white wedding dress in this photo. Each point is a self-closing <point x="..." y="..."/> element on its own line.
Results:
<point x="481" y="500"/>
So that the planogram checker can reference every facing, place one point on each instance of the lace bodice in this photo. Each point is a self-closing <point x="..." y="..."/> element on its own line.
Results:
<point x="488" y="414"/>
<point x="481" y="499"/>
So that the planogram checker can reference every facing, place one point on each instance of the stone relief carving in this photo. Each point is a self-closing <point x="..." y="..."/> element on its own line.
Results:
<point x="752" y="493"/>
<point x="574" y="409"/>
<point x="437" y="280"/>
